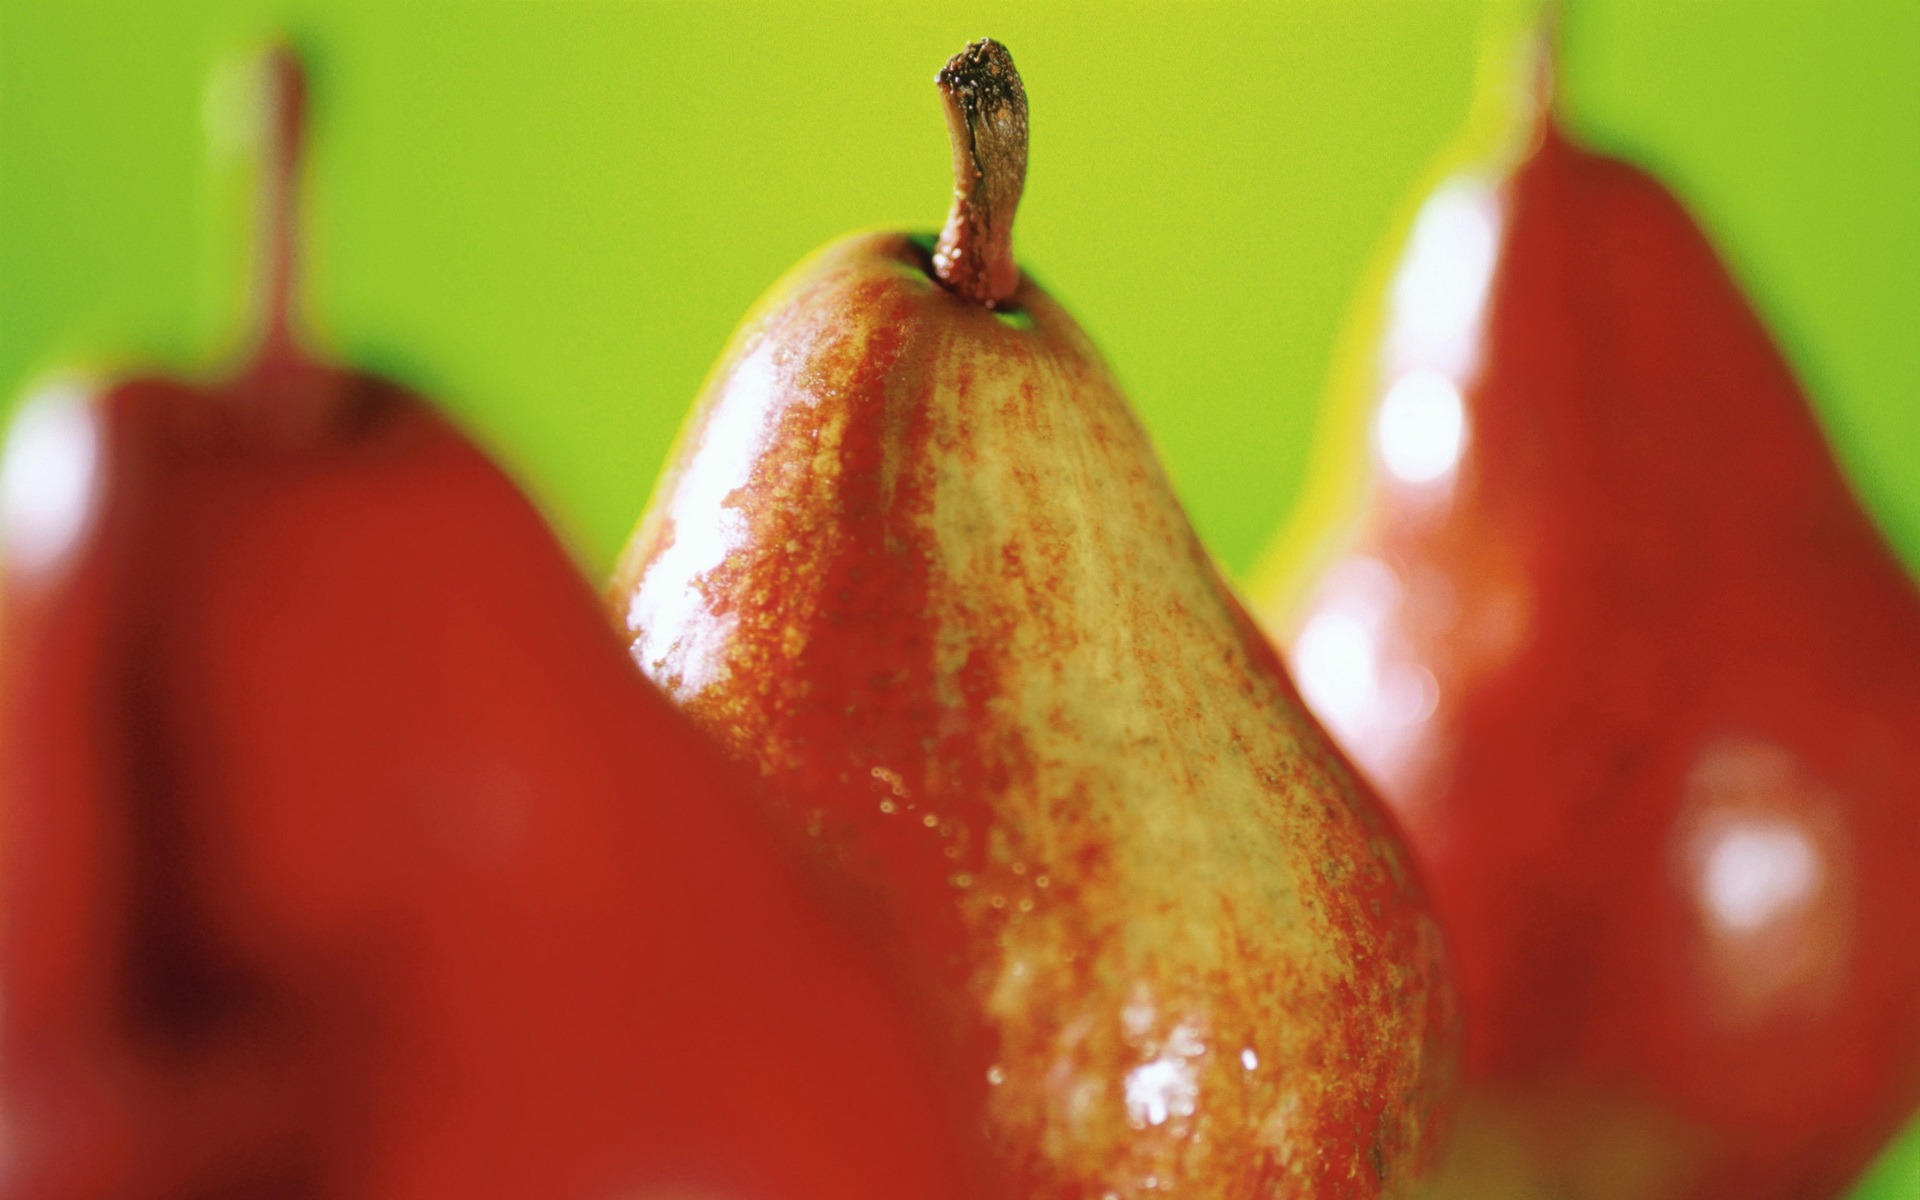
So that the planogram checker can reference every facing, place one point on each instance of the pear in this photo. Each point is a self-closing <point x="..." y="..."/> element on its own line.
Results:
<point x="1587" y="595"/>
<point x="347" y="857"/>
<point x="916" y="562"/>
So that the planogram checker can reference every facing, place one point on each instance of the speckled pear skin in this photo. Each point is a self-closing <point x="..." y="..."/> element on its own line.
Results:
<point x="917" y="562"/>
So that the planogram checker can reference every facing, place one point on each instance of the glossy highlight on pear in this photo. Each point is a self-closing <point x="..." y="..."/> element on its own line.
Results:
<point x="920" y="567"/>
<point x="1596" y="609"/>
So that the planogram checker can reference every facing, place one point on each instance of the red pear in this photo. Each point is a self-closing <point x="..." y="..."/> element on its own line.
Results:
<point x="346" y="855"/>
<point x="916" y="561"/>
<point x="1606" y="624"/>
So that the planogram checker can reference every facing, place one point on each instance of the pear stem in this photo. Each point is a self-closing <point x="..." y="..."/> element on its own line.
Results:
<point x="986" y="108"/>
<point x="283" y="136"/>
<point x="1548" y="37"/>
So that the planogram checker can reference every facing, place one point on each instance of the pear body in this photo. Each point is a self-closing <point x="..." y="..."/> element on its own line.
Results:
<point x="1609" y="630"/>
<point x="347" y="856"/>
<point x="916" y="561"/>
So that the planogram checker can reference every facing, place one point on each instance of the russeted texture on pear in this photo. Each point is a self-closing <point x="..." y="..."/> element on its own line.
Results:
<point x="917" y="562"/>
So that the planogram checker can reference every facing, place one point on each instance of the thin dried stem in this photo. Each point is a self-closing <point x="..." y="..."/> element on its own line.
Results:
<point x="282" y="115"/>
<point x="987" y="119"/>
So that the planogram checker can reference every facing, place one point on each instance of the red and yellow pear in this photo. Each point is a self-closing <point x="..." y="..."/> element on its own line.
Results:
<point x="1585" y="593"/>
<point x="916" y="562"/>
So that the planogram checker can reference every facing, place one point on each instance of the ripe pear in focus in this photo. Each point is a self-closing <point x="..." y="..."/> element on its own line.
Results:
<point x="915" y="560"/>
<point x="1583" y="591"/>
<point x="345" y="854"/>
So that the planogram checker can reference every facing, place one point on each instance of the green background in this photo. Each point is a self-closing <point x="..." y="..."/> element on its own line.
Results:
<point x="550" y="213"/>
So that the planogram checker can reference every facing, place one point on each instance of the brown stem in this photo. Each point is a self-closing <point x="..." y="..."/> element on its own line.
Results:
<point x="987" y="119"/>
<point x="282" y="116"/>
<point x="1548" y="37"/>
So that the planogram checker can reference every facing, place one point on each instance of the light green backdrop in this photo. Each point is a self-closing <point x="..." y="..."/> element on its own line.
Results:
<point x="550" y="213"/>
